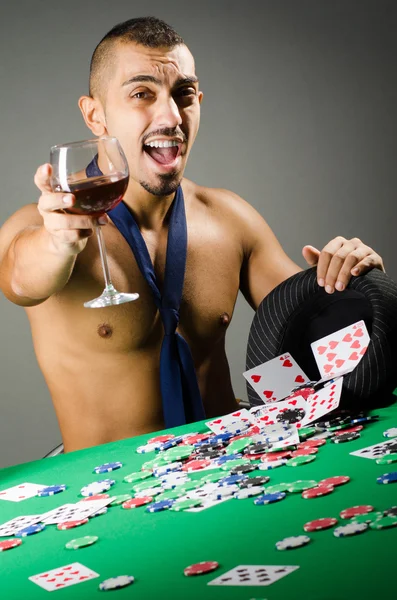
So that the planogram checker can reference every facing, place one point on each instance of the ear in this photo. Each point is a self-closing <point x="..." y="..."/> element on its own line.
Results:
<point x="200" y="97"/>
<point x="93" y="115"/>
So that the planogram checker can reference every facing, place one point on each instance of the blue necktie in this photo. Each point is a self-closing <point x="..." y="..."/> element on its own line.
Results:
<point x="178" y="382"/>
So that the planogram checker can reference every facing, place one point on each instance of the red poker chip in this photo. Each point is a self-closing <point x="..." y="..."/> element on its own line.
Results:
<point x="240" y="437"/>
<point x="8" y="544"/>
<point x="271" y="456"/>
<point x="252" y="456"/>
<point x="337" y="480"/>
<point x="312" y="443"/>
<point x="319" y="524"/>
<point x="316" y="492"/>
<point x="96" y="497"/>
<point x="194" y="439"/>
<point x="161" y="439"/>
<point x="71" y="524"/>
<point x="136" y="502"/>
<point x="196" y="465"/>
<point x="201" y="567"/>
<point x="351" y="512"/>
<point x="350" y="430"/>
<point x="304" y="452"/>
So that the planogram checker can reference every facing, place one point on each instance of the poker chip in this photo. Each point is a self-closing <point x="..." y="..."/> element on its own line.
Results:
<point x="30" y="530"/>
<point x="120" y="499"/>
<point x="234" y="463"/>
<point x="319" y="524"/>
<point x="348" y="513"/>
<point x="196" y="465"/>
<point x="160" y="439"/>
<point x="136" y="502"/>
<point x="317" y="492"/>
<point x="272" y="456"/>
<point x="9" y="544"/>
<point x="301" y="485"/>
<point x="259" y="448"/>
<point x="51" y="490"/>
<point x="368" y="517"/>
<point x="239" y="469"/>
<point x="194" y="439"/>
<point x="160" y="505"/>
<point x="221" y="438"/>
<point x="267" y="466"/>
<point x="306" y="432"/>
<point x="366" y="419"/>
<point x="210" y="454"/>
<point x="212" y="478"/>
<point x="185" y="504"/>
<point x="169" y="495"/>
<point x="146" y="448"/>
<point x="249" y="492"/>
<point x="108" y="467"/>
<point x="391" y="512"/>
<point x="345" y="437"/>
<point x="389" y="433"/>
<point x="350" y="529"/>
<point x="165" y="469"/>
<point x="388" y="459"/>
<point x="171" y="484"/>
<point x="178" y="453"/>
<point x="296" y="541"/>
<point x="311" y="443"/>
<point x="303" y="452"/>
<point x="291" y="415"/>
<point x="97" y="497"/>
<point x="388" y="478"/>
<point x="335" y="481"/>
<point x="188" y="486"/>
<point x="201" y="568"/>
<point x="101" y="511"/>
<point x="253" y="481"/>
<point x="148" y="492"/>
<point x="139" y="476"/>
<point x="384" y="523"/>
<point x="227" y="458"/>
<point x="278" y="487"/>
<point x="236" y="427"/>
<point x="233" y="480"/>
<point x="349" y="429"/>
<point x="270" y="498"/>
<point x="92" y="489"/>
<point x="71" y="524"/>
<point x="82" y="542"/>
<point x="238" y="445"/>
<point x="224" y="492"/>
<point x="145" y="485"/>
<point x="115" y="583"/>
<point x="300" y="460"/>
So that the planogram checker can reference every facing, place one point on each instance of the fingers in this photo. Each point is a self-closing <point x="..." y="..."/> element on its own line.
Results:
<point x="42" y="178"/>
<point x="341" y="259"/>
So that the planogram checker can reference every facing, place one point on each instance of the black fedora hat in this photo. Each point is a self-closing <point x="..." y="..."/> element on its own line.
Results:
<point x="298" y="312"/>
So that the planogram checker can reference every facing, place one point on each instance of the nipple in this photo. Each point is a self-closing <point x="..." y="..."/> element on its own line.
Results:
<point x="105" y="331"/>
<point x="224" y="319"/>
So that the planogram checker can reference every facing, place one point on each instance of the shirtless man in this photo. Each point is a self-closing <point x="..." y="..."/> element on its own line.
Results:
<point x="102" y="365"/>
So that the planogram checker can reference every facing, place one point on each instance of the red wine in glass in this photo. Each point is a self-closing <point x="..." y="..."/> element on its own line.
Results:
<point x="97" y="195"/>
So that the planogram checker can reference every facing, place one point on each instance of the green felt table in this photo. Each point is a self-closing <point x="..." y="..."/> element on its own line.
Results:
<point x="156" y="547"/>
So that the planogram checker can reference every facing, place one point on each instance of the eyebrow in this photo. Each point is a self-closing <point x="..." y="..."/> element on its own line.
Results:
<point x="150" y="79"/>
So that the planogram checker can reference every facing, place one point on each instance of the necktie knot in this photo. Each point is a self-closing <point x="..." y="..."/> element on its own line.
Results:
<point x="170" y="318"/>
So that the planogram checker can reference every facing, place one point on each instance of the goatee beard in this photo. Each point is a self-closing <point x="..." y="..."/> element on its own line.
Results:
<point x="167" y="186"/>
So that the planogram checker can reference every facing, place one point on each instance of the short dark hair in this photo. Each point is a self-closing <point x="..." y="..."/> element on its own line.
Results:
<point x="146" y="31"/>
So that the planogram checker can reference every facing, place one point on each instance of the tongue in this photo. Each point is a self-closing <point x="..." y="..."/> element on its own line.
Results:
<point x="163" y="156"/>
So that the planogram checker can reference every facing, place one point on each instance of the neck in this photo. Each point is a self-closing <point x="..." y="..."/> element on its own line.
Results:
<point x="150" y="212"/>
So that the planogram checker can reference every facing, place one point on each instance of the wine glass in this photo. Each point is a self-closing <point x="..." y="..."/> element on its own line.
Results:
<point x="94" y="194"/>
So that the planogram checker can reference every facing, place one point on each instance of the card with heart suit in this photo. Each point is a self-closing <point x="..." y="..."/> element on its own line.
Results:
<point x="341" y="350"/>
<point x="62" y="577"/>
<point x="218" y="425"/>
<point x="377" y="450"/>
<point x="253" y="575"/>
<point x="14" y="525"/>
<point x="74" y="512"/>
<point x="280" y="413"/>
<point x="322" y="402"/>
<point x="275" y="379"/>
<point x="23" y="491"/>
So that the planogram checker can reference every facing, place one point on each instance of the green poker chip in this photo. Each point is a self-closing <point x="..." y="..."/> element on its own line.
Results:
<point x="81" y="542"/>
<point x="170" y="495"/>
<point x="387" y="459"/>
<point x="306" y="432"/>
<point x="234" y="463"/>
<point x="185" y="504"/>
<point x="300" y="460"/>
<point x="120" y="499"/>
<point x="368" y="518"/>
<point x="276" y="488"/>
<point x="188" y="486"/>
<point x="155" y="462"/>
<point x="212" y="477"/>
<point x="138" y="476"/>
<point x="301" y="485"/>
<point x="177" y="453"/>
<point x="384" y="523"/>
<point x="146" y="485"/>
<point x="238" y="445"/>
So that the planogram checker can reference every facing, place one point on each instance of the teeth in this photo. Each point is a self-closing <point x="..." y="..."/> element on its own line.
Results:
<point x="162" y="144"/>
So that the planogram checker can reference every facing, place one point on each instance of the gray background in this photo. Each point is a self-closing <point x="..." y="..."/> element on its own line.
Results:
<point x="298" y="118"/>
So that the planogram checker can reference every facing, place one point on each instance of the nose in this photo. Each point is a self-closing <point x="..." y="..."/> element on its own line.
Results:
<point x="167" y="113"/>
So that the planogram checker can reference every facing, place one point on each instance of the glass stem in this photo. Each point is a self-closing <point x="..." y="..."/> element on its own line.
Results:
<point x="102" y="250"/>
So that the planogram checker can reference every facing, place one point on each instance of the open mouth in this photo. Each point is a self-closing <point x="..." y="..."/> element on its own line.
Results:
<point x="164" y="153"/>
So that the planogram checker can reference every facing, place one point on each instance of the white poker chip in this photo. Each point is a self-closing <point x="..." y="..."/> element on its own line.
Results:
<point x="236" y="427"/>
<point x="292" y="542"/>
<point x="146" y="448"/>
<point x="250" y="492"/>
<point x="269" y="429"/>
<point x="350" y="529"/>
<point x="267" y="466"/>
<point x="224" y="492"/>
<point x="149" y="492"/>
<point x="97" y="487"/>
<point x="389" y="433"/>
<point x="165" y="469"/>
<point x="115" y="583"/>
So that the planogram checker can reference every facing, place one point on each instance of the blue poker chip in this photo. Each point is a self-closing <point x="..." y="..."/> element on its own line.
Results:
<point x="366" y="419"/>
<point x="222" y="437"/>
<point x="30" y="530"/>
<point x="224" y="459"/>
<point x="159" y="506"/>
<point x="232" y="479"/>
<point x="51" y="490"/>
<point x="388" y="478"/>
<point x="269" y="498"/>
<point x="107" y="467"/>
<point x="164" y="469"/>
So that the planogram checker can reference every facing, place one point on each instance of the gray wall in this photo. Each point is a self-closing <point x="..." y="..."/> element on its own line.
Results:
<point x="298" y="118"/>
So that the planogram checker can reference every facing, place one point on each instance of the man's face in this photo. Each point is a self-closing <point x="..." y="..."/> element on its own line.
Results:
<point x="152" y="100"/>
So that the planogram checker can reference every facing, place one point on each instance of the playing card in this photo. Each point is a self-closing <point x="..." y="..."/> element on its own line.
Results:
<point x="285" y="412"/>
<point x="63" y="576"/>
<point x="253" y="575"/>
<point x="377" y="450"/>
<point x="218" y="425"/>
<point x="10" y="527"/>
<point x="342" y="350"/>
<point x="74" y="512"/>
<point x="207" y="503"/>
<point x="23" y="491"/>
<point x="322" y="402"/>
<point x="275" y="379"/>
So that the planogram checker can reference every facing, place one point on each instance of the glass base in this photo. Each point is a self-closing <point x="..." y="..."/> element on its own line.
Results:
<point x="110" y="297"/>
